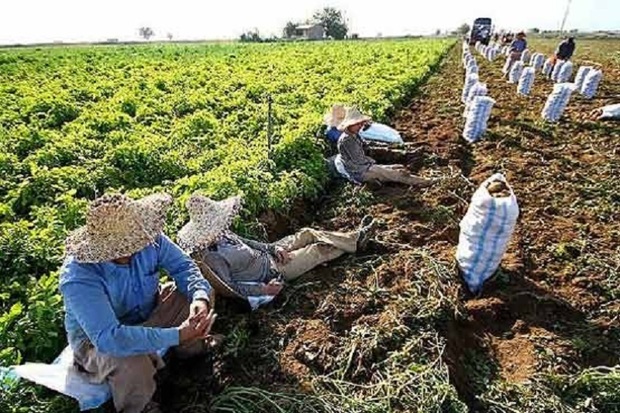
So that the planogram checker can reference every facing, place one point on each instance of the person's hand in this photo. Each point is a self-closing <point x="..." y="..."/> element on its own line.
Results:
<point x="282" y="255"/>
<point x="273" y="288"/>
<point x="199" y="306"/>
<point x="196" y="326"/>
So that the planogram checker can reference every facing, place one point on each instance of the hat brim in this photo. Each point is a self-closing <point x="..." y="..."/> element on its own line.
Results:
<point x="347" y="124"/>
<point x="88" y="246"/>
<point x="208" y="222"/>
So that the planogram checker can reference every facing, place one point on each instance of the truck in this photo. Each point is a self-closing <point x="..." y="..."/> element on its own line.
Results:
<point x="481" y="31"/>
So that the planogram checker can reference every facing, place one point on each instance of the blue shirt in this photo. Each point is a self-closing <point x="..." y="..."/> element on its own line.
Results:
<point x="333" y="134"/>
<point x="518" y="45"/>
<point x="105" y="302"/>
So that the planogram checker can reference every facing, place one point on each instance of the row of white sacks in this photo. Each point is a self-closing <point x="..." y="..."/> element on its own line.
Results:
<point x="586" y="82"/>
<point x="477" y="104"/>
<point x="488" y="225"/>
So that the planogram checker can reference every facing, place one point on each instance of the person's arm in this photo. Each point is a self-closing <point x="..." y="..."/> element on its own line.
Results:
<point x="352" y="151"/>
<point x="260" y="246"/>
<point x="183" y="270"/>
<point x="220" y="267"/>
<point x="86" y="298"/>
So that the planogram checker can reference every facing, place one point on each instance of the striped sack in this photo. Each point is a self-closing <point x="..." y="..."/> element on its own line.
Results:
<point x="486" y="230"/>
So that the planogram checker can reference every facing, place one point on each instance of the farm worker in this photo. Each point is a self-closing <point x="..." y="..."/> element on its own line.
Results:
<point x="332" y="119"/>
<point x="517" y="47"/>
<point x="361" y="168"/>
<point x="565" y="49"/>
<point x="117" y="315"/>
<point x="253" y="268"/>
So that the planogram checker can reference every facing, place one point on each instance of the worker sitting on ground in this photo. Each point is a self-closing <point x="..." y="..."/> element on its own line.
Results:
<point x="352" y="161"/>
<point x="253" y="268"/>
<point x="517" y="47"/>
<point x="118" y="319"/>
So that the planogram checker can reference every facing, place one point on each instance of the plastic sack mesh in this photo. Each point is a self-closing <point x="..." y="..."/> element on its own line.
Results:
<point x="565" y="72"/>
<point x="470" y="80"/>
<point x="477" y="118"/>
<point x="515" y="72"/>
<point x="526" y="81"/>
<point x="547" y="67"/>
<point x="526" y="56"/>
<point x="555" y="74"/>
<point x="478" y="89"/>
<point x="538" y="60"/>
<point x="590" y="83"/>
<point x="582" y="72"/>
<point x="557" y="101"/>
<point x="486" y="230"/>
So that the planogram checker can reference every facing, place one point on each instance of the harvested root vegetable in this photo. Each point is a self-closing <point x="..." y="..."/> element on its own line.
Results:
<point x="498" y="189"/>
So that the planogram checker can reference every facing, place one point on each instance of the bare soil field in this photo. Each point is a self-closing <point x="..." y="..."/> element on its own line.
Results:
<point x="393" y="329"/>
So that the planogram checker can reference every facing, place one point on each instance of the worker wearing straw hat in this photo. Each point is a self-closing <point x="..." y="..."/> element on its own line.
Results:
<point x="361" y="168"/>
<point x="254" y="268"/>
<point x="117" y="315"/>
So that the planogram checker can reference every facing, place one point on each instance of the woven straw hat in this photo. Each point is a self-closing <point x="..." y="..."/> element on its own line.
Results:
<point x="208" y="220"/>
<point x="335" y="117"/>
<point x="117" y="226"/>
<point x="352" y="117"/>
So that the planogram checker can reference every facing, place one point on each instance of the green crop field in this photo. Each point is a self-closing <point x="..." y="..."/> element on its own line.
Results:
<point x="76" y="122"/>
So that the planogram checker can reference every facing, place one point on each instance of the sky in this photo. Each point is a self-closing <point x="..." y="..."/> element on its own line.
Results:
<point x="31" y="21"/>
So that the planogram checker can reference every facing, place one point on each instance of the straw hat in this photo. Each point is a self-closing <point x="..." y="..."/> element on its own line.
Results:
<point x="335" y="116"/>
<point x="117" y="226"/>
<point x="352" y="117"/>
<point x="208" y="220"/>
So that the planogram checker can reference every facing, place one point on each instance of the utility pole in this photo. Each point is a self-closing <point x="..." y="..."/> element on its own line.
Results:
<point x="565" y="17"/>
<point x="269" y="126"/>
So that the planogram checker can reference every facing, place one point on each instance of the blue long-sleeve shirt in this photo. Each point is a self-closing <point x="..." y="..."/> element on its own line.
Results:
<point x="518" y="45"/>
<point x="105" y="302"/>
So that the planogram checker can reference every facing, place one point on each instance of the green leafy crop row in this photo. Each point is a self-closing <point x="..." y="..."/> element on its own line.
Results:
<point x="77" y="122"/>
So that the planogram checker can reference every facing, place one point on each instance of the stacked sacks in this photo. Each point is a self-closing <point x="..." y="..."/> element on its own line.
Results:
<point x="526" y="81"/>
<point x="582" y="72"/>
<point x="477" y="118"/>
<point x="590" y="83"/>
<point x="555" y="74"/>
<point x="525" y="56"/>
<point x="557" y="101"/>
<point x="515" y="72"/>
<point x="470" y="80"/>
<point x="538" y="59"/>
<point x="565" y="72"/>
<point x="479" y="89"/>
<point x="486" y="230"/>
<point x="548" y="67"/>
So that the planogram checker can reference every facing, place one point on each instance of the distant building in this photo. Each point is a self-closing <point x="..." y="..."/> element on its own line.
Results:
<point x="309" y="32"/>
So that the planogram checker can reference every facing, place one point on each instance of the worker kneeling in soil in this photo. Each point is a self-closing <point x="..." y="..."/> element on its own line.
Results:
<point x="252" y="268"/>
<point x="117" y="316"/>
<point x="353" y="162"/>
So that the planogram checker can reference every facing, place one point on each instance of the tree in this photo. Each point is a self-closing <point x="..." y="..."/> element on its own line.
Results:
<point x="463" y="29"/>
<point x="169" y="36"/>
<point x="438" y="32"/>
<point x="290" y="29"/>
<point x="146" y="32"/>
<point x="534" y="30"/>
<point x="333" y="22"/>
<point x="251" y="36"/>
